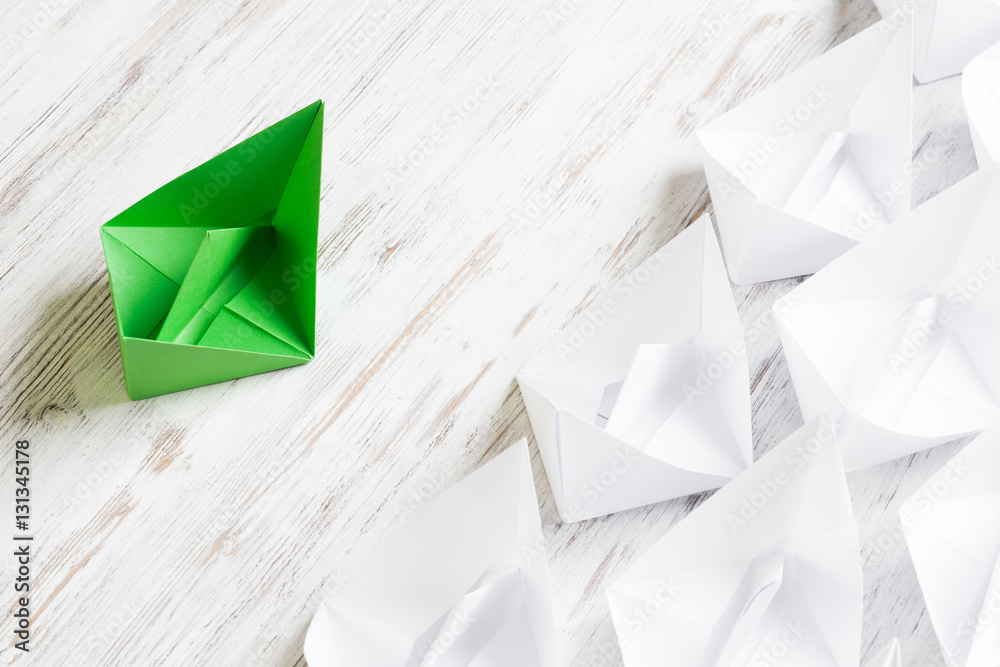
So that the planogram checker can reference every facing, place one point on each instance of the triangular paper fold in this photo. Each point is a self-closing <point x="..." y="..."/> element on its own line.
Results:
<point x="947" y="33"/>
<point x="952" y="530"/>
<point x="981" y="94"/>
<point x="890" y="656"/>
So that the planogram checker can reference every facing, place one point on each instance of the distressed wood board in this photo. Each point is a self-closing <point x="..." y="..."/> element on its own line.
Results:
<point x="489" y="168"/>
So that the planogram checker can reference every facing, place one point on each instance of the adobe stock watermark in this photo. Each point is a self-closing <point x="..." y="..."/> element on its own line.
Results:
<point x="460" y="620"/>
<point x="932" y="493"/>
<point x="641" y="615"/>
<point x="750" y="506"/>
<point x="912" y="512"/>
<point x="97" y="474"/>
<point x="929" y="654"/>
<point x="598" y="485"/>
<point x="31" y="26"/>
<point x="459" y="112"/>
<point x="609" y="129"/>
<point x="114" y="624"/>
<point x="713" y="371"/>
<point x="561" y="12"/>
<point x="540" y="202"/>
<point x="596" y="316"/>
<point x="373" y="25"/>
<point x="929" y="328"/>
<point x="430" y="486"/>
<point x="294" y="617"/>
<point x="721" y="362"/>
<point x="710" y="30"/>
<point x="225" y="520"/>
<point x="875" y="215"/>
<point x="901" y="12"/>
<point x="776" y="651"/>
<point x="606" y="654"/>
<point x="220" y="178"/>
<point x="220" y="5"/>
<point x="292" y="280"/>
<point x="455" y="626"/>
<point x="786" y="127"/>
<point x="988" y="616"/>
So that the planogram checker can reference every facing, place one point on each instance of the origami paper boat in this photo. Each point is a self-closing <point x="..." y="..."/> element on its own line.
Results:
<point x="463" y="583"/>
<point x="952" y="530"/>
<point x="765" y="570"/>
<point x="981" y="94"/>
<point x="898" y="337"/>
<point x="804" y="170"/>
<point x="947" y="33"/>
<point x="213" y="276"/>
<point x="645" y="396"/>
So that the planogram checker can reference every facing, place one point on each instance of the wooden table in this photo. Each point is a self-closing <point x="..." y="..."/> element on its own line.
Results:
<point x="489" y="168"/>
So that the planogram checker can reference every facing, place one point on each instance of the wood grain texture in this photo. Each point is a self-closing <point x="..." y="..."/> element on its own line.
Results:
<point x="204" y="527"/>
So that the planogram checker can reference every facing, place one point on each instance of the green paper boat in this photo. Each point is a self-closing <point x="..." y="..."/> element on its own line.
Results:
<point x="213" y="276"/>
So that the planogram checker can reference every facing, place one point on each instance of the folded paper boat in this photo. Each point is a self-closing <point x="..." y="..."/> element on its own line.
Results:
<point x="463" y="583"/>
<point x="898" y="337"/>
<point x="213" y="276"/>
<point x="805" y="169"/>
<point x="766" y="570"/>
<point x="645" y="396"/>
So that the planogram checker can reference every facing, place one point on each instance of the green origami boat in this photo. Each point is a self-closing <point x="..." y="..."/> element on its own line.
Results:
<point x="213" y="276"/>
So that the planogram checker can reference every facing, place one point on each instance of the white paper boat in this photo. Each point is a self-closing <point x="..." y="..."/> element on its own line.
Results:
<point x="645" y="396"/>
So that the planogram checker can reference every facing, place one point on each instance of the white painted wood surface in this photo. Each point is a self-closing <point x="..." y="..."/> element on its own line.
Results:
<point x="202" y="527"/>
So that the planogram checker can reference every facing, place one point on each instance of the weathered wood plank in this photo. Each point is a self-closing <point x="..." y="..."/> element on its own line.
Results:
<point x="203" y="527"/>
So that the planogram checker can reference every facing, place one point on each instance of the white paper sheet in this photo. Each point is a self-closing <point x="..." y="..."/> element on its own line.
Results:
<point x="898" y="337"/>
<point x="890" y="656"/>
<point x="816" y="162"/>
<point x="947" y="33"/>
<point x="766" y="569"/>
<point x="645" y="396"/>
<point x="981" y="94"/>
<point x="463" y="583"/>
<point x="952" y="530"/>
